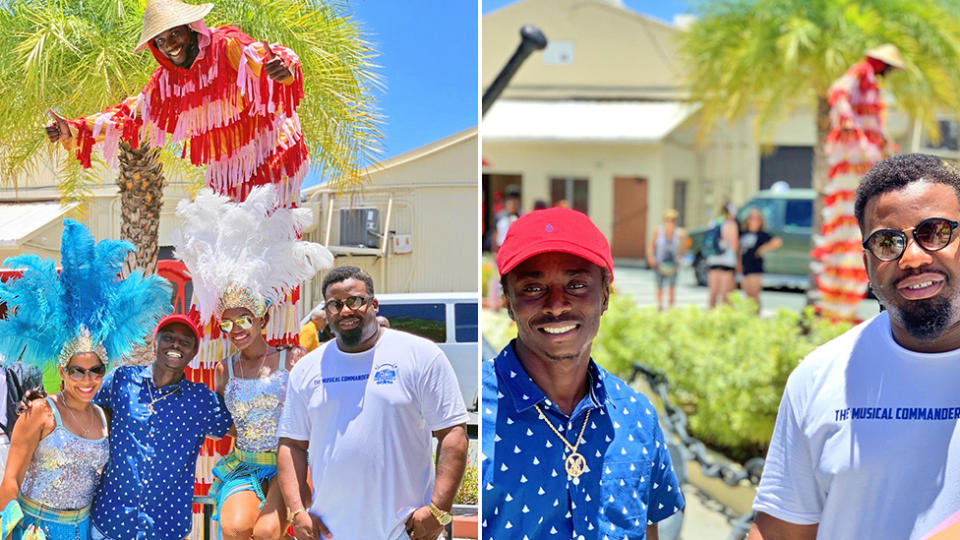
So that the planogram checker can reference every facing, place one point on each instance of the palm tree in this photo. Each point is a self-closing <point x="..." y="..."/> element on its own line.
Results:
<point x="78" y="58"/>
<point x="768" y="57"/>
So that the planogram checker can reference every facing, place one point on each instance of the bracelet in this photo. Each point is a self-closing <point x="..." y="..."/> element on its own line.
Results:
<point x="293" y="516"/>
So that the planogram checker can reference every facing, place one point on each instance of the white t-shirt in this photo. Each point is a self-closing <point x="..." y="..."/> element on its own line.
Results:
<point x="866" y="442"/>
<point x="368" y="418"/>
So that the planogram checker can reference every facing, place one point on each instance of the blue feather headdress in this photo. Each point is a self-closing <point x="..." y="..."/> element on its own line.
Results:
<point x="87" y="308"/>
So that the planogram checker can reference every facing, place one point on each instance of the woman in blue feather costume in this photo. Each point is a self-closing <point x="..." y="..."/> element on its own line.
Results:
<point x="77" y="322"/>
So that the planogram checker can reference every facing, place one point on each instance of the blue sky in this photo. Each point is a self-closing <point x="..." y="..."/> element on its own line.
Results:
<point x="661" y="9"/>
<point x="428" y="58"/>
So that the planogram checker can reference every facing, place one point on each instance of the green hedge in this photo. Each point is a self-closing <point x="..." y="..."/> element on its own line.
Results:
<point x="726" y="366"/>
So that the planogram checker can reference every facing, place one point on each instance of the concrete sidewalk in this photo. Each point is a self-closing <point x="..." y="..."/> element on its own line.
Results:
<point x="704" y="518"/>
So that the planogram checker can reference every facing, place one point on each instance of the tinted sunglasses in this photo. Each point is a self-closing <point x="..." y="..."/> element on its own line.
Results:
<point x="77" y="373"/>
<point x="354" y="302"/>
<point x="932" y="234"/>
<point x="245" y="322"/>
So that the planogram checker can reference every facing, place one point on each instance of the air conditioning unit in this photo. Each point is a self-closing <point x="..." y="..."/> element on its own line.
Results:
<point x="360" y="227"/>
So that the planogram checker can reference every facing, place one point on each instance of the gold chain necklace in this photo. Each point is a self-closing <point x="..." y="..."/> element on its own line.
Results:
<point x="164" y="396"/>
<point x="575" y="464"/>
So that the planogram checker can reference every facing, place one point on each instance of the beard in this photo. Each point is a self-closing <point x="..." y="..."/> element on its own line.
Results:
<point x="351" y="337"/>
<point x="925" y="319"/>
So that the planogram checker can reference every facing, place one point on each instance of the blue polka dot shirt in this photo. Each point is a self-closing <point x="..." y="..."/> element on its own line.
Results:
<point x="628" y="480"/>
<point x="147" y="490"/>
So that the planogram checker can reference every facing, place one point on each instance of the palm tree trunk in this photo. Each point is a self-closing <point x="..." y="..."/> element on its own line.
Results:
<point x="141" y="197"/>
<point x="819" y="184"/>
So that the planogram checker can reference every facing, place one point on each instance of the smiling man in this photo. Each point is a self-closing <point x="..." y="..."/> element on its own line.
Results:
<point x="866" y="442"/>
<point x="568" y="449"/>
<point x="366" y="407"/>
<point x="158" y="422"/>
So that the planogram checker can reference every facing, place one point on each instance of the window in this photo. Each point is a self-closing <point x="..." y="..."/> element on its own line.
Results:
<point x="425" y="320"/>
<point x="573" y="192"/>
<point x="792" y="164"/>
<point x="799" y="214"/>
<point x="467" y="329"/>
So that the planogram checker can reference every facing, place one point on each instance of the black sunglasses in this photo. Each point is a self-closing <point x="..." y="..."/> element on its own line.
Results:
<point x="932" y="234"/>
<point x="354" y="302"/>
<point x="78" y="373"/>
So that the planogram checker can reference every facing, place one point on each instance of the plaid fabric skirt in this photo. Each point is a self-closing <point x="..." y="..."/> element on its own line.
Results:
<point x="27" y="519"/>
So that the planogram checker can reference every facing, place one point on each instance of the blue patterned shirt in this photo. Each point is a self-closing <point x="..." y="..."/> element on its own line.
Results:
<point x="628" y="483"/>
<point x="147" y="489"/>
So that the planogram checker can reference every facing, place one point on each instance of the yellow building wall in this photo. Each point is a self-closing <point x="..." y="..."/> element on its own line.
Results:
<point x="435" y="201"/>
<point x="614" y="50"/>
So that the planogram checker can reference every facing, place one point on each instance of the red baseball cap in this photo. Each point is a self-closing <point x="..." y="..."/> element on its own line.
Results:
<point x="554" y="229"/>
<point x="178" y="318"/>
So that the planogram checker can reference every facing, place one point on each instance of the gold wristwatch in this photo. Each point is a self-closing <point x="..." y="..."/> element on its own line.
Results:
<point x="443" y="517"/>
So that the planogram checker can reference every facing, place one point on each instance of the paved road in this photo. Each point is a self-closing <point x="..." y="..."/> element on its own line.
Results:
<point x="640" y="283"/>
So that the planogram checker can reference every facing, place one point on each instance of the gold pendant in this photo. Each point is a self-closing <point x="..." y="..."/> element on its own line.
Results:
<point x="150" y="408"/>
<point x="575" y="464"/>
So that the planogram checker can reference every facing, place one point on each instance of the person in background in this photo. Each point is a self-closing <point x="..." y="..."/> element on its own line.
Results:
<point x="16" y="379"/>
<point x="755" y="242"/>
<point x="721" y="277"/>
<point x="664" y="253"/>
<point x="315" y="331"/>
<point x="509" y="214"/>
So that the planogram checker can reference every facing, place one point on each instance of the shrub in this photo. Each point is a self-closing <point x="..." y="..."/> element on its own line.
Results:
<point x="726" y="365"/>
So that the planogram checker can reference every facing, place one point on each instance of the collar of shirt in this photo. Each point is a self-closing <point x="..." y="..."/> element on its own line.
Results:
<point x="627" y="480"/>
<point x="146" y="373"/>
<point x="525" y="393"/>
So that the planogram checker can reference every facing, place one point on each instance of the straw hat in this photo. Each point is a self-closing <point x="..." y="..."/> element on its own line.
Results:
<point x="888" y="54"/>
<point x="162" y="15"/>
<point x="670" y="214"/>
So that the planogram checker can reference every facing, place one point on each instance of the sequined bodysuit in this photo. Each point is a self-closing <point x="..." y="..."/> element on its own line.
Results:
<point x="65" y="467"/>
<point x="255" y="405"/>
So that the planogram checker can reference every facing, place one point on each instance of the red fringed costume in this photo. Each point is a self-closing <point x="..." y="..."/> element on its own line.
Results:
<point x="856" y="141"/>
<point x="225" y="111"/>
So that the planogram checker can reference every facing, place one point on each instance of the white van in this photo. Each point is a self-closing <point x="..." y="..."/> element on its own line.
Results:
<point x="448" y="319"/>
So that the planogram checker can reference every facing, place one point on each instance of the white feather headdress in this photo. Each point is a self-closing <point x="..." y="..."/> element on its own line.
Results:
<point x="245" y="254"/>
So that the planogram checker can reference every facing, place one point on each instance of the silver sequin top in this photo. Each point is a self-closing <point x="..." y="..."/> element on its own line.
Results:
<point x="65" y="467"/>
<point x="255" y="405"/>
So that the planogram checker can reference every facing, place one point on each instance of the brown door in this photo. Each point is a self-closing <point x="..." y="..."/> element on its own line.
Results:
<point x="629" y="217"/>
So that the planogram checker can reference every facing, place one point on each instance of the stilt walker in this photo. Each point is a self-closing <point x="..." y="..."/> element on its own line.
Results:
<point x="856" y="141"/>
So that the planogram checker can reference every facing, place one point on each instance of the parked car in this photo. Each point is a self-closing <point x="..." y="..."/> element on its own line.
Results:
<point x="788" y="215"/>
<point x="448" y="319"/>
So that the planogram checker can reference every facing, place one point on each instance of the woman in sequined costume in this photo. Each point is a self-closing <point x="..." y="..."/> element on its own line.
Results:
<point x="254" y="384"/>
<point x="76" y="320"/>
<point x="58" y="450"/>
<point x="244" y="257"/>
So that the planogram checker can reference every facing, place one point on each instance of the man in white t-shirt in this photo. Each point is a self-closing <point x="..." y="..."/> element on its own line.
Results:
<point x="366" y="407"/>
<point x="866" y="443"/>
